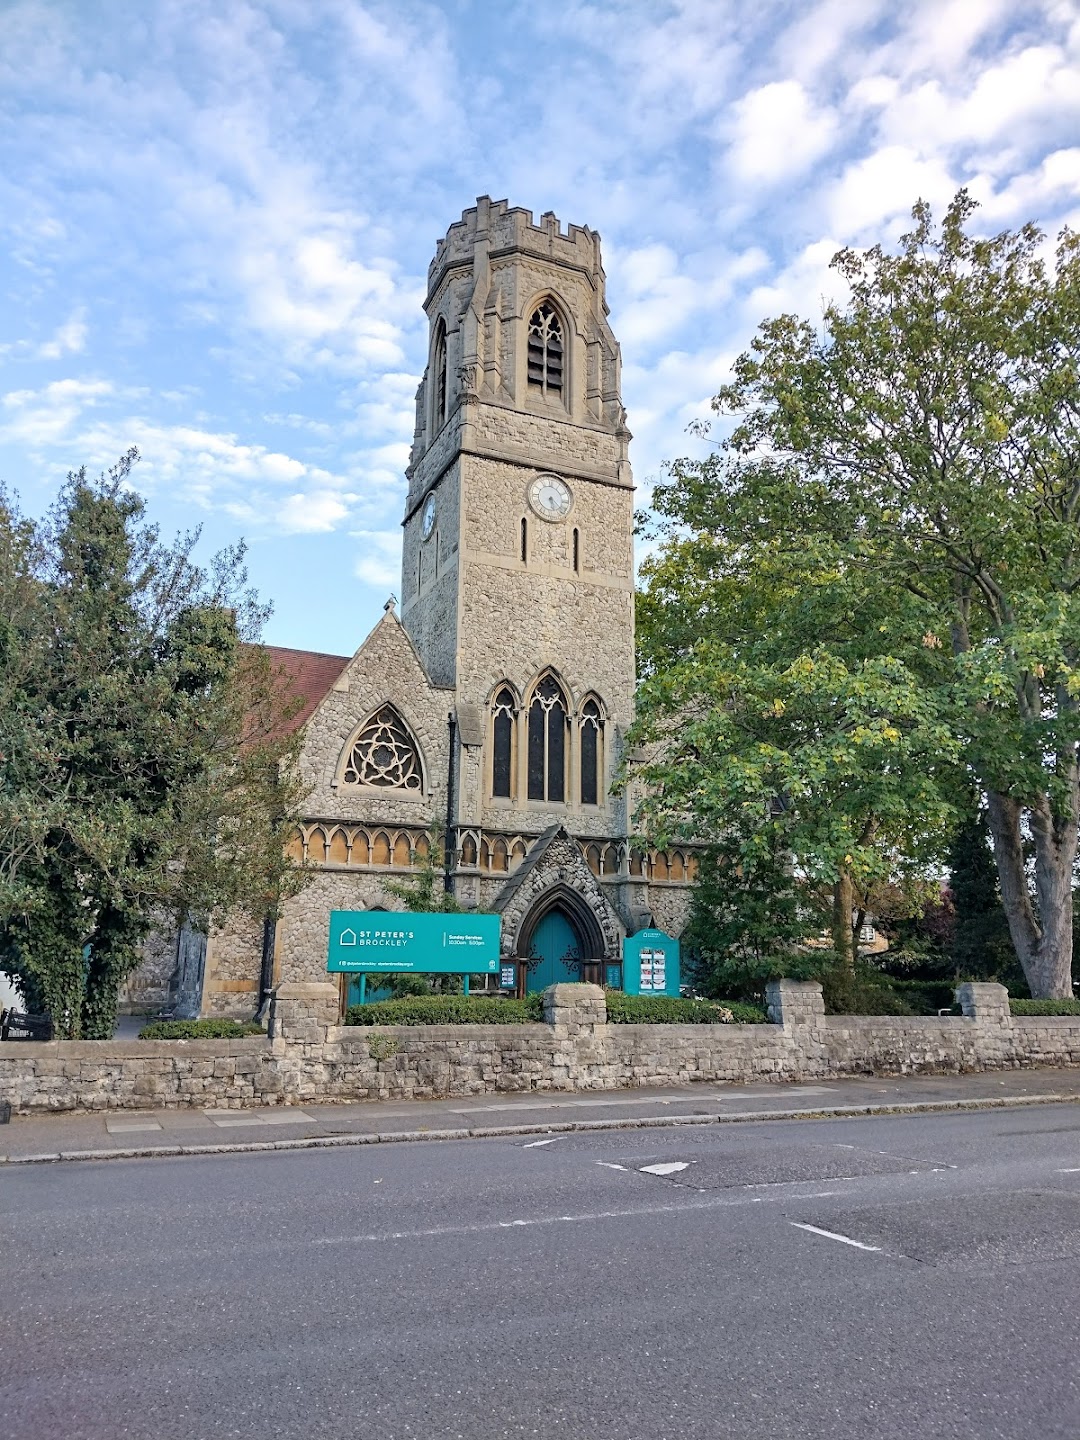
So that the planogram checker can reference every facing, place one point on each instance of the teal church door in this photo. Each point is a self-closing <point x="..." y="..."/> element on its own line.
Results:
<point x="556" y="944"/>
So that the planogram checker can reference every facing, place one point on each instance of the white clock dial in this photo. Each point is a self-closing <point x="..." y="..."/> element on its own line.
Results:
<point x="427" y="524"/>
<point x="550" y="497"/>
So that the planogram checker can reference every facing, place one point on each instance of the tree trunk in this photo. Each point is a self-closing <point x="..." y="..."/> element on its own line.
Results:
<point x="843" y="937"/>
<point x="1043" y="941"/>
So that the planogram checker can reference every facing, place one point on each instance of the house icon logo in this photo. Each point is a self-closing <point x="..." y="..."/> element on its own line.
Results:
<point x="347" y="937"/>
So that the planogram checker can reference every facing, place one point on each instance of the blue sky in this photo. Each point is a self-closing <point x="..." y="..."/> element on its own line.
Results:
<point x="216" y="219"/>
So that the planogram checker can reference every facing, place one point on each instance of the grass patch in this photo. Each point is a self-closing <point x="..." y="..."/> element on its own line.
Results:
<point x="199" y="1030"/>
<point x="448" y="1010"/>
<point x="667" y="1010"/>
<point x="1044" y="1007"/>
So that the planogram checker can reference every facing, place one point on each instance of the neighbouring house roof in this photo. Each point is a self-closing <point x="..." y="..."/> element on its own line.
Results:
<point x="310" y="674"/>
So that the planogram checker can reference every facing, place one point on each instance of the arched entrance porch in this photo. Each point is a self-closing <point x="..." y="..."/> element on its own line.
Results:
<point x="560" y="940"/>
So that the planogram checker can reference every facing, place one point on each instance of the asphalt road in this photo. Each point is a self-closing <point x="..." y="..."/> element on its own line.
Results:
<point x="865" y="1278"/>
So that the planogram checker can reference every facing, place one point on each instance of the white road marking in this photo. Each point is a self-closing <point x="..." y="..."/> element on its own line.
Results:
<point x="534" y="1143"/>
<point x="610" y="1165"/>
<point x="894" y="1155"/>
<point x="487" y="1227"/>
<point x="832" y="1235"/>
<point x="668" y="1167"/>
<point x="1074" y="1170"/>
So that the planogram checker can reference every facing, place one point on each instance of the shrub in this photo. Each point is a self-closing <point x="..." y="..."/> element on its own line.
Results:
<point x="198" y="1030"/>
<point x="926" y="997"/>
<point x="667" y="1010"/>
<point x="448" y="1010"/>
<point x="1044" y="1007"/>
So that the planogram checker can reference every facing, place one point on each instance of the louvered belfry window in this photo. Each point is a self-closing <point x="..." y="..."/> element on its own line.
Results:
<point x="546" y="349"/>
<point x="384" y="754"/>
<point x="440" y="376"/>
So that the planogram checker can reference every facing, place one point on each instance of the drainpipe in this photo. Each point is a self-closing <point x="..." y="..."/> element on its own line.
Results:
<point x="266" y="968"/>
<point x="448" y="839"/>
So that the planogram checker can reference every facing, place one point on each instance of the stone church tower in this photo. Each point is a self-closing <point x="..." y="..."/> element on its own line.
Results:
<point x="495" y="709"/>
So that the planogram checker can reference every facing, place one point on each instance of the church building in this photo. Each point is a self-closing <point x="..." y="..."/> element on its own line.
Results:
<point x="493" y="708"/>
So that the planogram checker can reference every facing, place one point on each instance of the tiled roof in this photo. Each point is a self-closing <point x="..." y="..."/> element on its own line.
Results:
<point x="310" y="675"/>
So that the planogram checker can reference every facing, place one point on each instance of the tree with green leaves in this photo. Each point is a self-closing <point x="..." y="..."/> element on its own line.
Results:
<point x="778" y="725"/>
<point x="147" y="762"/>
<point x="425" y="892"/>
<point x="981" y="948"/>
<point x="918" y="453"/>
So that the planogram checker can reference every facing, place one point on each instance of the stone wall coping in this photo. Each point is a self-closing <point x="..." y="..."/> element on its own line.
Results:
<point x="105" y="1051"/>
<point x="1059" y="1022"/>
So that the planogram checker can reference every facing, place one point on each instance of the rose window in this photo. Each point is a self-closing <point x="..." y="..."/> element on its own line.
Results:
<point x="385" y="754"/>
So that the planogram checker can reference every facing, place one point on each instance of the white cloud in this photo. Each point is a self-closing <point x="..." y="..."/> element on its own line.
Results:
<point x="70" y="339"/>
<point x="316" y="511"/>
<point x="37" y="418"/>
<point x="379" y="559"/>
<point x="778" y="133"/>
<point x="880" y="186"/>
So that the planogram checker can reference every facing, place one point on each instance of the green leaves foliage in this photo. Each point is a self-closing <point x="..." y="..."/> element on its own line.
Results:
<point x="146" y="765"/>
<point x="870" y="591"/>
<point x="198" y="1030"/>
<point x="448" y="1010"/>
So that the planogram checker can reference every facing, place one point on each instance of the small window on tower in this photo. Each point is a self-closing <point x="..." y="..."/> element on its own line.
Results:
<point x="545" y="351"/>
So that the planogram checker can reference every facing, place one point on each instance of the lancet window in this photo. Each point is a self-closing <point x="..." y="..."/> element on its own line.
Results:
<point x="591" y="735"/>
<point x="548" y="721"/>
<point x="502" y="743"/>
<point x="438" y="372"/>
<point x="545" y="349"/>
<point x="384" y="754"/>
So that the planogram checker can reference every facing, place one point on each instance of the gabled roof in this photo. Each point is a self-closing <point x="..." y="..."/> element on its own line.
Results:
<point x="311" y="675"/>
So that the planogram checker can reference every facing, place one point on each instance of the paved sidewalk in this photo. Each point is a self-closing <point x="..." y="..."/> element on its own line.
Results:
<point x="126" y="1133"/>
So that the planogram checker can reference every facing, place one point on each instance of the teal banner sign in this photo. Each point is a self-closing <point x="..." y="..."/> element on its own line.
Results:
<point x="373" y="940"/>
<point x="651" y="963"/>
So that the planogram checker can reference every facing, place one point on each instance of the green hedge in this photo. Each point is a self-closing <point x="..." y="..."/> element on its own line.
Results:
<point x="667" y="1010"/>
<point x="1044" y="1007"/>
<point x="198" y="1030"/>
<point x="448" y="1010"/>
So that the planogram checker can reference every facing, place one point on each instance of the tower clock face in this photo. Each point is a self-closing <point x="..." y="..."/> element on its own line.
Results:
<point x="550" y="497"/>
<point x="427" y="523"/>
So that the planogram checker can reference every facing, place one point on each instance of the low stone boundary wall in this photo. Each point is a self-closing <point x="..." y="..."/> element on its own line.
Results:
<point x="309" y="1058"/>
<point x="138" y="1074"/>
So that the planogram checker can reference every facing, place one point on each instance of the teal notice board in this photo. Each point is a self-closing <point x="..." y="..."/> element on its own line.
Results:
<point x="651" y="963"/>
<point x="373" y="940"/>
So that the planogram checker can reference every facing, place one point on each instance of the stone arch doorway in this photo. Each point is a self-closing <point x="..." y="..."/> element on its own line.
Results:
<point x="560" y="940"/>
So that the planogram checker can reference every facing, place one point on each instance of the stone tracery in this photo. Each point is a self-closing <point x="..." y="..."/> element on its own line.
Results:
<point x="385" y="754"/>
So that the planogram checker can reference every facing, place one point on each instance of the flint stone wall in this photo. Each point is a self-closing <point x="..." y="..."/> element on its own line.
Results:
<point x="309" y="1058"/>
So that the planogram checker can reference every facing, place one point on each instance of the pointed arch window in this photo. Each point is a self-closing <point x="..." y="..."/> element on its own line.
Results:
<point x="384" y="754"/>
<point x="548" y="720"/>
<point x="502" y="743"/>
<point x="439" y="377"/>
<point x="591" y="751"/>
<point x="546" y="349"/>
